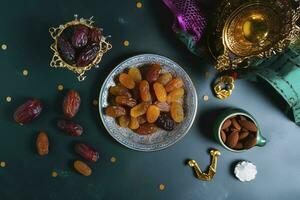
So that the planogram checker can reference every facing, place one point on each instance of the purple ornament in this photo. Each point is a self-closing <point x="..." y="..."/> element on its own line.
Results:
<point x="189" y="17"/>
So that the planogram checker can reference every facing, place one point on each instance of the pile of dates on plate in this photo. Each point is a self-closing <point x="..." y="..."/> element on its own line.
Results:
<point x="147" y="101"/>
<point x="79" y="45"/>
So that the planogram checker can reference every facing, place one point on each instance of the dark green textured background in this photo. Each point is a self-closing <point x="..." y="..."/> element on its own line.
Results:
<point x="135" y="175"/>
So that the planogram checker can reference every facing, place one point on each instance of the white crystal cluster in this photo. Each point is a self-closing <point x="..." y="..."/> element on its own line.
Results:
<point x="245" y="171"/>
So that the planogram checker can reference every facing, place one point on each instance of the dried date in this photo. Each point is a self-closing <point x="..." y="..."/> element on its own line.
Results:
<point x="80" y="36"/>
<point x="71" y="104"/>
<point x="87" y="152"/>
<point x="95" y="35"/>
<point x="146" y="129"/>
<point x="42" y="144"/>
<point x="66" y="50"/>
<point x="28" y="111"/>
<point x="82" y="168"/>
<point x="70" y="127"/>
<point x="88" y="54"/>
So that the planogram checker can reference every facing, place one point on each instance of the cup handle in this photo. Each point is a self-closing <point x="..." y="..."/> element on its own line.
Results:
<point x="261" y="141"/>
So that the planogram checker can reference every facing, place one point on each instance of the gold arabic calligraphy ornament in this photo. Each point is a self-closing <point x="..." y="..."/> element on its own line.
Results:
<point x="212" y="168"/>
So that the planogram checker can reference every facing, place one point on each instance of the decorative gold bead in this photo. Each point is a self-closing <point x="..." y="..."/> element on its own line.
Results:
<point x="8" y="99"/>
<point x="162" y="187"/>
<point x="139" y="5"/>
<point x="95" y="102"/>
<point x="113" y="159"/>
<point x="205" y="98"/>
<point x="4" y="46"/>
<point x="25" y="72"/>
<point x="54" y="174"/>
<point x="126" y="43"/>
<point x="60" y="87"/>
<point x="2" y="164"/>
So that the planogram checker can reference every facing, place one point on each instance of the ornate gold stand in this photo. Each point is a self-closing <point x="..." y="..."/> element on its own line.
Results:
<point x="57" y="61"/>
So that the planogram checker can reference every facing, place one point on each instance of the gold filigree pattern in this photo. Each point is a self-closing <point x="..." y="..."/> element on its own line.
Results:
<point x="280" y="20"/>
<point x="57" y="61"/>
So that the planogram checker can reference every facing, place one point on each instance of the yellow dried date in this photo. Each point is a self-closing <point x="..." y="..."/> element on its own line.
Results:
<point x="153" y="113"/>
<point x="134" y="123"/>
<point x="124" y="121"/>
<point x="135" y="74"/>
<point x="165" y="78"/>
<point x="175" y="96"/>
<point x="174" y="84"/>
<point x="145" y="90"/>
<point x="160" y="92"/>
<point x="177" y="113"/>
<point x="82" y="168"/>
<point x="126" y="81"/>
<point x="139" y="109"/>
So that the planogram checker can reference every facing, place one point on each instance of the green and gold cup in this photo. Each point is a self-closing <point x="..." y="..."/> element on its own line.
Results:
<point x="232" y="113"/>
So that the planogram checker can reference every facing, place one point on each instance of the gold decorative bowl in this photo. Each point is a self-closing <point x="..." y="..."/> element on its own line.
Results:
<point x="250" y="29"/>
<point x="58" y="61"/>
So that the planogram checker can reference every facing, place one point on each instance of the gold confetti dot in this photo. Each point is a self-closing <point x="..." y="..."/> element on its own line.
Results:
<point x="25" y="72"/>
<point x="113" y="159"/>
<point x="8" y="99"/>
<point x="139" y="5"/>
<point x="95" y="102"/>
<point x="54" y="174"/>
<point x="162" y="187"/>
<point x="60" y="87"/>
<point x="205" y="98"/>
<point x="126" y="43"/>
<point x="4" y="46"/>
<point x="2" y="164"/>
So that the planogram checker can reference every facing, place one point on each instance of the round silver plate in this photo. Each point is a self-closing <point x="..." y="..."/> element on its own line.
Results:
<point x="160" y="139"/>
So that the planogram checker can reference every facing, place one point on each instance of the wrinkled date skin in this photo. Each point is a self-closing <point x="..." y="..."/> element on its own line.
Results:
<point x="28" y="111"/>
<point x="42" y="144"/>
<point x="70" y="127"/>
<point x="88" y="54"/>
<point x="71" y="104"/>
<point x="66" y="50"/>
<point x="95" y="35"/>
<point x="87" y="152"/>
<point x="80" y="36"/>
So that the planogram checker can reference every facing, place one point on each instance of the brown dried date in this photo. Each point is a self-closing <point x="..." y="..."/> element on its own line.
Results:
<point x="115" y="111"/>
<point x="80" y="36"/>
<point x="95" y="35"/>
<point x="119" y="90"/>
<point x="88" y="54"/>
<point x="70" y="127"/>
<point x="146" y="129"/>
<point x="87" y="152"/>
<point x="42" y="144"/>
<point x="153" y="73"/>
<point x="126" y="101"/>
<point x="28" y="111"/>
<point x="66" y="50"/>
<point x="71" y="104"/>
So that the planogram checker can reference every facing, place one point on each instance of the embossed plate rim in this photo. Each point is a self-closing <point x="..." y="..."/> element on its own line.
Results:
<point x="148" y="147"/>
